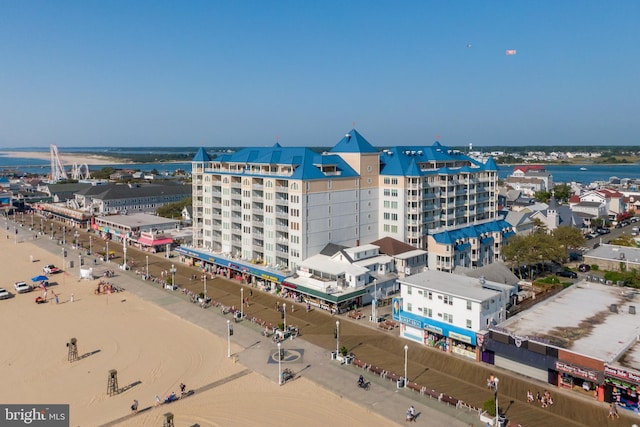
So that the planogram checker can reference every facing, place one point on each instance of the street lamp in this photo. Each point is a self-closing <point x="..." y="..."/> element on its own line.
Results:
<point x="495" y="391"/>
<point x="241" y="303"/>
<point x="146" y="276"/>
<point x="107" y="253"/>
<point x="75" y="237"/>
<point x="63" y="255"/>
<point x="279" y="365"/>
<point x="374" y="303"/>
<point x="90" y="246"/>
<point x="50" y="226"/>
<point x="337" y="337"/>
<point x="406" y="348"/>
<point x="284" y="314"/>
<point x="204" y="278"/>
<point x="64" y="235"/>
<point x="124" y="251"/>
<point x="173" y="275"/>
<point x="80" y="266"/>
<point x="228" y="338"/>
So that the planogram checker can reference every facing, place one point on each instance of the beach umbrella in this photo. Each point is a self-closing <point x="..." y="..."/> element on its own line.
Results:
<point x="39" y="278"/>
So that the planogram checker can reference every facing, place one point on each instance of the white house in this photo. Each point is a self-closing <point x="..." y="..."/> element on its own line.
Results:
<point x="446" y="310"/>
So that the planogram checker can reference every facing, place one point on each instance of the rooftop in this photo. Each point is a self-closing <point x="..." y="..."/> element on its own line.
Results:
<point x="581" y="319"/>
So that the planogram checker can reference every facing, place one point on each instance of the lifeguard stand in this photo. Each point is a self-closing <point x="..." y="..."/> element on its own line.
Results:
<point x="73" y="350"/>
<point x="112" y="383"/>
<point x="168" y="420"/>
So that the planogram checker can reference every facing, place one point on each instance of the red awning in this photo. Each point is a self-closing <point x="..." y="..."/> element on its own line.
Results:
<point x="288" y="285"/>
<point x="152" y="242"/>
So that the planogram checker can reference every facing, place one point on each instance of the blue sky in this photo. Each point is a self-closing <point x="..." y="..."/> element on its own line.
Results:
<point x="244" y="73"/>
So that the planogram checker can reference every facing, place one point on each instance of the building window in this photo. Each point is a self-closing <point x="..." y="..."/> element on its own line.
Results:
<point x="430" y="295"/>
<point x="468" y="323"/>
<point x="468" y="305"/>
<point x="409" y="290"/>
<point x="447" y="299"/>
<point x="409" y="307"/>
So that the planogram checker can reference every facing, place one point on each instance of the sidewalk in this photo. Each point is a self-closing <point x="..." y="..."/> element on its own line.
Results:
<point x="256" y="352"/>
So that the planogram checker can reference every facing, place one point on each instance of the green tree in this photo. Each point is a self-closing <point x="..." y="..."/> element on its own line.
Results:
<point x="542" y="196"/>
<point x="624" y="240"/>
<point x="568" y="238"/>
<point x="173" y="210"/>
<point x="562" y="191"/>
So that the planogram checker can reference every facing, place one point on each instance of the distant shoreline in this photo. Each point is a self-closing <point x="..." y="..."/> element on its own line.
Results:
<point x="79" y="158"/>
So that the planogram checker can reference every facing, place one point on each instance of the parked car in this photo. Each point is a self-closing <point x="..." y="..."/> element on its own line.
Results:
<point x="603" y="231"/>
<point x="22" y="287"/>
<point x="584" y="268"/>
<point x="567" y="273"/>
<point x="4" y="294"/>
<point x="50" y="269"/>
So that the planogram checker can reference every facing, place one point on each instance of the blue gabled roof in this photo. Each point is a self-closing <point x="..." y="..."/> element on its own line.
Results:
<point x="304" y="161"/>
<point x="201" y="156"/>
<point x="404" y="160"/>
<point x="449" y="237"/>
<point x="353" y="142"/>
<point x="490" y="165"/>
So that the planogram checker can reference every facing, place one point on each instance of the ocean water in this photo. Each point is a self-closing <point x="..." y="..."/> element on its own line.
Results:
<point x="560" y="173"/>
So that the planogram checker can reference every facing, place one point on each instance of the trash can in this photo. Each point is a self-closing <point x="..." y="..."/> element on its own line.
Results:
<point x="502" y="421"/>
<point x="400" y="383"/>
<point x="333" y="355"/>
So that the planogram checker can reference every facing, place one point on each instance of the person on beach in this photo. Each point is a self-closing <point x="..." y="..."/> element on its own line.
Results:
<point x="134" y="406"/>
<point x="182" y="389"/>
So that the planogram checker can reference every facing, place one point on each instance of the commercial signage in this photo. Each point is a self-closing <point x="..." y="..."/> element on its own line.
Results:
<point x="410" y="322"/>
<point x="577" y="372"/>
<point x="432" y="328"/>
<point x="622" y="374"/>
<point x="459" y="337"/>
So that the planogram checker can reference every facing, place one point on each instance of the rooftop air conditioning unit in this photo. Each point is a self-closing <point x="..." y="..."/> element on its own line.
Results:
<point x="613" y="308"/>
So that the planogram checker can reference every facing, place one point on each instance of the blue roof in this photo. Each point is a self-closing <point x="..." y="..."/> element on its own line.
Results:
<point x="201" y="156"/>
<point x="449" y="237"/>
<point x="353" y="142"/>
<point x="490" y="165"/>
<point x="404" y="160"/>
<point x="305" y="162"/>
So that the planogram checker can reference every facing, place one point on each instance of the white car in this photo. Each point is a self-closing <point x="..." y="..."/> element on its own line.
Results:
<point x="22" y="287"/>
<point x="50" y="269"/>
<point x="4" y="294"/>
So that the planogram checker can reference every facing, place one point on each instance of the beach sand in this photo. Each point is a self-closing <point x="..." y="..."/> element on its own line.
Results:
<point x="152" y="350"/>
<point x="67" y="158"/>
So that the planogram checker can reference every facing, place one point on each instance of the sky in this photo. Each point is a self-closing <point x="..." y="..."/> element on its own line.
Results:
<point x="303" y="73"/>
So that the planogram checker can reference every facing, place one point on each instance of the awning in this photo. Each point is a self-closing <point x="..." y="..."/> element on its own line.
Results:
<point x="328" y="297"/>
<point x="288" y="285"/>
<point x="151" y="242"/>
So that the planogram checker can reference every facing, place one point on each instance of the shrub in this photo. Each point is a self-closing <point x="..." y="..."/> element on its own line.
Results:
<point x="489" y="406"/>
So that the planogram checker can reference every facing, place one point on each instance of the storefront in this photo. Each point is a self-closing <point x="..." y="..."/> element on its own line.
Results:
<point x="433" y="333"/>
<point x="575" y="377"/>
<point x="335" y="303"/>
<point x="231" y="268"/>
<point x="621" y="386"/>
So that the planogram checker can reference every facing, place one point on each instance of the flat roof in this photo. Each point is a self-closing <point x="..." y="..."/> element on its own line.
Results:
<point x="455" y="285"/>
<point x="615" y="252"/>
<point x="580" y="319"/>
<point x="140" y="220"/>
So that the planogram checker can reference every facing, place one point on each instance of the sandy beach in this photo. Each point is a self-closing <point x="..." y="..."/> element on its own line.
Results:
<point x="67" y="158"/>
<point x="152" y="350"/>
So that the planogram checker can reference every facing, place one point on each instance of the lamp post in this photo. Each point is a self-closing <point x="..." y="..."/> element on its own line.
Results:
<point x="124" y="251"/>
<point x="16" y="233"/>
<point x="41" y="226"/>
<point x="80" y="266"/>
<point x="64" y="235"/>
<point x="374" y="303"/>
<point x="284" y="318"/>
<point x="228" y="338"/>
<point x="495" y="391"/>
<point x="90" y="246"/>
<point x="337" y="337"/>
<point x="50" y="227"/>
<point x="406" y="349"/>
<point x="107" y="253"/>
<point x="75" y="240"/>
<point x="241" y="303"/>
<point x="173" y="275"/>
<point x="204" y="278"/>
<point x="63" y="255"/>
<point x="146" y="275"/>
<point x="279" y="365"/>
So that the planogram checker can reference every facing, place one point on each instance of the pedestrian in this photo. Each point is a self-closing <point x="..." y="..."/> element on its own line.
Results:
<point x="251" y="293"/>
<point x="182" y="389"/>
<point x="292" y="307"/>
<point x="56" y="295"/>
<point x="71" y="297"/>
<point x="134" y="406"/>
<point x="412" y="412"/>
